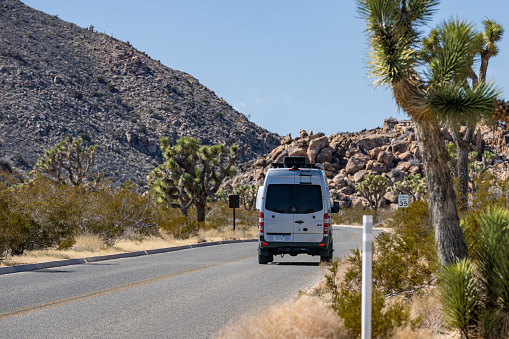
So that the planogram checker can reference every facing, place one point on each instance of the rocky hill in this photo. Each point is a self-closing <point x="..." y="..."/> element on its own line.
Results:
<point x="391" y="150"/>
<point x="58" y="79"/>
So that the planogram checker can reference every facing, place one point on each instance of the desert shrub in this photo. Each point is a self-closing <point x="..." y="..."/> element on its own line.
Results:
<point x="76" y="94"/>
<point x="385" y="317"/>
<point x="218" y="217"/>
<point x="49" y="214"/>
<point x="114" y="213"/>
<point x="488" y="191"/>
<point x="414" y="226"/>
<point x="43" y="213"/>
<point x="174" y="223"/>
<point x="46" y="215"/>
<point x="100" y="79"/>
<point x="404" y="262"/>
<point x="475" y="292"/>
<point x="15" y="227"/>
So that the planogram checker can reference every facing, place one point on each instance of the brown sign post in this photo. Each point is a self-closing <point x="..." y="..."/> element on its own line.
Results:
<point x="233" y="202"/>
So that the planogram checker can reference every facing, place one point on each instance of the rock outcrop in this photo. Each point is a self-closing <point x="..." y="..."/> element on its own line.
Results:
<point x="391" y="151"/>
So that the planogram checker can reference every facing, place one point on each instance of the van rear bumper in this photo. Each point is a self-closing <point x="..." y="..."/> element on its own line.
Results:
<point x="294" y="248"/>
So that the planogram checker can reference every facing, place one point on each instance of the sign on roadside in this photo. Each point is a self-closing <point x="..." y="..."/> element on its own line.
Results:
<point x="233" y="202"/>
<point x="403" y="201"/>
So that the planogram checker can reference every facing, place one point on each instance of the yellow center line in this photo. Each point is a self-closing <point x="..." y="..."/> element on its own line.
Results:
<point x="114" y="289"/>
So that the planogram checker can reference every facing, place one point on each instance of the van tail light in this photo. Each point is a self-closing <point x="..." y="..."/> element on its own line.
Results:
<point x="260" y="223"/>
<point x="326" y="223"/>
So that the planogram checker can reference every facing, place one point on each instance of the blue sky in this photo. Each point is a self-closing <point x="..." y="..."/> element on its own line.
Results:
<point x="286" y="64"/>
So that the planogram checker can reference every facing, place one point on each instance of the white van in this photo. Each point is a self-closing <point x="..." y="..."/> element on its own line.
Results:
<point x="295" y="211"/>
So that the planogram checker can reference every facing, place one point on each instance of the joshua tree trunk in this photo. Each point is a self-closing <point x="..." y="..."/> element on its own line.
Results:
<point x="463" y="175"/>
<point x="201" y="209"/>
<point x="463" y="144"/>
<point x="448" y="234"/>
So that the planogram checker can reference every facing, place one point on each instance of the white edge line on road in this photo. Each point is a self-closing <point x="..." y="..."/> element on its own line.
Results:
<point x="66" y="262"/>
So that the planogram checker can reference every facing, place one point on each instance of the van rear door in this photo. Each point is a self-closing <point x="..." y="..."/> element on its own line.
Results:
<point x="278" y="213"/>
<point x="308" y="220"/>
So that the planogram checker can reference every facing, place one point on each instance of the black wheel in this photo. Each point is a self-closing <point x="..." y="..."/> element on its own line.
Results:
<point x="270" y="257"/>
<point x="326" y="258"/>
<point x="263" y="259"/>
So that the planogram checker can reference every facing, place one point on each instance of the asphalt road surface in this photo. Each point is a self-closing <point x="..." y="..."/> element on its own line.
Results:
<point x="185" y="294"/>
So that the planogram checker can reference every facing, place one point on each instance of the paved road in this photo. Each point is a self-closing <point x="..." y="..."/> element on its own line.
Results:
<point x="185" y="294"/>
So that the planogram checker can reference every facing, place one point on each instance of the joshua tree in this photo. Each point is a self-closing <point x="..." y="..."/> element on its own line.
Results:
<point x="373" y="188"/>
<point x="431" y="98"/>
<point x="413" y="185"/>
<point x="482" y="45"/>
<point x="191" y="173"/>
<point x="68" y="162"/>
<point x="247" y="194"/>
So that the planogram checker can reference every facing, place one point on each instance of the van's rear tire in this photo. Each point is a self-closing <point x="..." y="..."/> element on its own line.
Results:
<point x="270" y="257"/>
<point x="263" y="259"/>
<point x="326" y="258"/>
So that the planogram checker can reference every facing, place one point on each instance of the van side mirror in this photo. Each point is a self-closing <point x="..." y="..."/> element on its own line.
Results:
<point x="335" y="207"/>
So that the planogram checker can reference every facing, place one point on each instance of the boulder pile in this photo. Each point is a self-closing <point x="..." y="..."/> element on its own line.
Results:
<point x="391" y="150"/>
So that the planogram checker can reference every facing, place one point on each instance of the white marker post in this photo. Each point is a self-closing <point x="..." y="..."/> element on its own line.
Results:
<point x="367" y="257"/>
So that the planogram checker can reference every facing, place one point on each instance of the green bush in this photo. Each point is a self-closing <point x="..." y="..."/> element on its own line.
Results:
<point x="112" y="214"/>
<point x="15" y="227"/>
<point x="37" y="216"/>
<point x="404" y="262"/>
<point x="475" y="292"/>
<point x="385" y="317"/>
<point x="488" y="191"/>
<point x="459" y="296"/>
<point x="43" y="213"/>
<point x="77" y="94"/>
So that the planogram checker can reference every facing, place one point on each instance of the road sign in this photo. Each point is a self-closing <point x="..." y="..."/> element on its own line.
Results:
<point x="233" y="201"/>
<point x="403" y="201"/>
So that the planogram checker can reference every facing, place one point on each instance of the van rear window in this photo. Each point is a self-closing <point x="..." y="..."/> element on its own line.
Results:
<point x="282" y="198"/>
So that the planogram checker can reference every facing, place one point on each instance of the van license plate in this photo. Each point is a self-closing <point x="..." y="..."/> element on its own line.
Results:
<point x="279" y="238"/>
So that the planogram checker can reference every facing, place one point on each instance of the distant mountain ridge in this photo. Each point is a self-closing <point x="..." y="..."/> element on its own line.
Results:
<point x="58" y="79"/>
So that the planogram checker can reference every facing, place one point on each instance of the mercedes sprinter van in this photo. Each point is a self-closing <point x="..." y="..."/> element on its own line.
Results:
<point x="295" y="211"/>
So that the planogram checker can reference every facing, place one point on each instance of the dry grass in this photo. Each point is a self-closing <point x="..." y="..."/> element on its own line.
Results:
<point x="87" y="246"/>
<point x="307" y="317"/>
<point x="428" y="306"/>
<point x="408" y="333"/>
